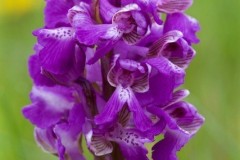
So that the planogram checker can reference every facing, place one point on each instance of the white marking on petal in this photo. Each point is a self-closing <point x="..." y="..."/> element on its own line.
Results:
<point x="56" y="101"/>
<point x="113" y="33"/>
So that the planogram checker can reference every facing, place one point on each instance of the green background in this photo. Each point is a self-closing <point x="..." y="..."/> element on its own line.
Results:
<point x="213" y="79"/>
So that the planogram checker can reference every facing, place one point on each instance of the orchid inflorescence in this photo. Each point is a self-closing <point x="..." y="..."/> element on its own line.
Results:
<point x="108" y="72"/>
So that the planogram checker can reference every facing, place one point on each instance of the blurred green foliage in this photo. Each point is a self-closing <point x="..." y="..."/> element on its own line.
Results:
<point x="213" y="79"/>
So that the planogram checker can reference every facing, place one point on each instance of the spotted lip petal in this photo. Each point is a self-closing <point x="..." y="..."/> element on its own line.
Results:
<point x="58" y="49"/>
<point x="131" y="142"/>
<point x="42" y="77"/>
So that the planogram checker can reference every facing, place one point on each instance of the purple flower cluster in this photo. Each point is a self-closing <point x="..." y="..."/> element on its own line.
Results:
<point x="108" y="72"/>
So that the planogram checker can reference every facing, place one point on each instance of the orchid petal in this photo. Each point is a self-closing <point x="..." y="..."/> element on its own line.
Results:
<point x="183" y="62"/>
<point x="141" y="83"/>
<point x="131" y="142"/>
<point x="113" y="106"/>
<point x="113" y="72"/>
<point x="35" y="71"/>
<point x="93" y="72"/>
<point x="45" y="138"/>
<point x="80" y="15"/>
<point x="69" y="133"/>
<point x="169" y="37"/>
<point x="132" y="37"/>
<point x="93" y="34"/>
<point x="100" y="146"/>
<point x="55" y="13"/>
<point x="185" y="24"/>
<point x="173" y="6"/>
<point x="131" y="153"/>
<point x="49" y="105"/>
<point x="178" y="96"/>
<point x="186" y="116"/>
<point x="183" y="122"/>
<point x="165" y="67"/>
<point x="141" y="121"/>
<point x="107" y="10"/>
<point x="130" y="51"/>
<point x="124" y="116"/>
<point x="102" y="50"/>
<point x="58" y="48"/>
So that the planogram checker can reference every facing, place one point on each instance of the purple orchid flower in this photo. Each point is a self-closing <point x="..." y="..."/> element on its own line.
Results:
<point x="131" y="142"/>
<point x="181" y="120"/>
<point x="174" y="47"/>
<point x="116" y="107"/>
<point x="161" y="6"/>
<point x="184" y="23"/>
<point x="56" y="12"/>
<point x="102" y="141"/>
<point x="42" y="76"/>
<point x="58" y="120"/>
<point x="128" y="23"/>
<point x="128" y="77"/>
